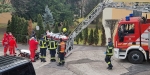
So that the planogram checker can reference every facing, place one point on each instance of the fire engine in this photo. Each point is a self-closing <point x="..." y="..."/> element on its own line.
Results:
<point x="131" y="39"/>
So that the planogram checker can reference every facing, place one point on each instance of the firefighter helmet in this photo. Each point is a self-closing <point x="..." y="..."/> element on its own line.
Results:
<point x="64" y="29"/>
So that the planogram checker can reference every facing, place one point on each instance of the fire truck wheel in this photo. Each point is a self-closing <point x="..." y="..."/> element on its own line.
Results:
<point x="135" y="57"/>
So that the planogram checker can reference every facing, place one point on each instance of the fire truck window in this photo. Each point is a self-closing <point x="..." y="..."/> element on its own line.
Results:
<point x="129" y="29"/>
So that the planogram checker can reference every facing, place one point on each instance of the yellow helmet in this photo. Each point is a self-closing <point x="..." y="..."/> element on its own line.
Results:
<point x="64" y="29"/>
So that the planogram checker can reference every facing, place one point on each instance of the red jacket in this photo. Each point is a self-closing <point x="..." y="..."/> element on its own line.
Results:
<point x="12" y="43"/>
<point x="33" y="44"/>
<point x="10" y="37"/>
<point x="5" y="41"/>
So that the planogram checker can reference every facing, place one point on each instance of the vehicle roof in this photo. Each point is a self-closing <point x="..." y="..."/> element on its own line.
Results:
<point x="8" y="62"/>
<point x="132" y="19"/>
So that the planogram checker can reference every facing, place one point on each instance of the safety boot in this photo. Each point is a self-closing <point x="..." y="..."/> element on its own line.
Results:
<point x="41" y="59"/>
<point x="59" y="64"/>
<point x="44" y="60"/>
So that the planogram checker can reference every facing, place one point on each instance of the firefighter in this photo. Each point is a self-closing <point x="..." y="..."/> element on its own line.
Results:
<point x="109" y="53"/>
<point x="52" y="48"/>
<point x="32" y="47"/>
<point x="5" y="43"/>
<point x="65" y="32"/>
<point x="12" y="45"/>
<point x="61" y="52"/>
<point x="43" y="48"/>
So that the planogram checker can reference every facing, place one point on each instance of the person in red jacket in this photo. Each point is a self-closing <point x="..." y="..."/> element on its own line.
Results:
<point x="5" y="43"/>
<point x="10" y="36"/>
<point x="32" y="47"/>
<point x="12" y="45"/>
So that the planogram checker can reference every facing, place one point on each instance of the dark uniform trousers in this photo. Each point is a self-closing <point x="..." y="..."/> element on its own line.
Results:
<point x="43" y="52"/>
<point x="52" y="53"/>
<point x="61" y="57"/>
<point x="108" y="60"/>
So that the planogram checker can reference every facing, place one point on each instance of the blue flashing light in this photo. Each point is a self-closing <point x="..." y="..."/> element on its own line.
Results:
<point x="131" y="15"/>
<point x="127" y="18"/>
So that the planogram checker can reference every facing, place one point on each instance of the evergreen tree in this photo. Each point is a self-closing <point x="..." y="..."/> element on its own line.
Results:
<point x="40" y="24"/>
<point x="12" y="26"/>
<point x="77" y="39"/>
<point x="80" y="36"/>
<point x="56" y="30"/>
<point x="91" y="38"/>
<point x="48" y="17"/>
<point x="85" y="34"/>
<point x="103" y="38"/>
<point x="96" y="35"/>
<point x="24" y="31"/>
<point x="8" y="26"/>
<point x="48" y="27"/>
<point x="30" y="27"/>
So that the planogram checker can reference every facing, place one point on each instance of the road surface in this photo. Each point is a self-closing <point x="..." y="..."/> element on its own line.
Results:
<point x="88" y="60"/>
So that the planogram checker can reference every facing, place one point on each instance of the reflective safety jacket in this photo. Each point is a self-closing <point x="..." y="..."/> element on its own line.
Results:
<point x="46" y="39"/>
<point x="52" y="45"/>
<point x="62" y="47"/>
<point x="43" y="43"/>
<point x="109" y="50"/>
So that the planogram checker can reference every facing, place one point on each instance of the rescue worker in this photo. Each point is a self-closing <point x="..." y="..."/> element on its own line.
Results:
<point x="43" y="48"/>
<point x="32" y="47"/>
<point x="52" y="48"/>
<point x="12" y="45"/>
<point x="10" y="36"/>
<point x="5" y="43"/>
<point x="65" y="32"/>
<point x="109" y="53"/>
<point x="61" y="52"/>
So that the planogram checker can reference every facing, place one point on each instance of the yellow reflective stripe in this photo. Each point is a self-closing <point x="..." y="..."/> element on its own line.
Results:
<point x="52" y="57"/>
<point x="110" y="47"/>
<point x="43" y="45"/>
<point x="108" y="63"/>
<point x="54" y="45"/>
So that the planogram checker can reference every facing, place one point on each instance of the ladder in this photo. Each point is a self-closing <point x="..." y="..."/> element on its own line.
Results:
<point x="144" y="7"/>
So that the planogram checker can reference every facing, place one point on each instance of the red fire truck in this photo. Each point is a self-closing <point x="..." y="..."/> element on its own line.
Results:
<point x="131" y="39"/>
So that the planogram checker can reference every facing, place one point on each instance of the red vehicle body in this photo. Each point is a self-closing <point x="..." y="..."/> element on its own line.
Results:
<point x="131" y="39"/>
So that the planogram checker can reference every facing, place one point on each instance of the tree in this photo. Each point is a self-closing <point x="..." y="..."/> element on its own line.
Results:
<point x="8" y="26"/>
<point x="77" y="39"/>
<point x="96" y="35"/>
<point x="29" y="9"/>
<point x="85" y="35"/>
<point x="56" y="30"/>
<point x="5" y="8"/>
<point x="103" y="38"/>
<point x="80" y="36"/>
<point x="40" y="24"/>
<point x="91" y="38"/>
<point x="48" y="17"/>
<point x="13" y="23"/>
<point x="24" y="30"/>
<point x="30" y="27"/>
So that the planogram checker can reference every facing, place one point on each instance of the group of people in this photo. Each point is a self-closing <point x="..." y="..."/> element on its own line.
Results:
<point x="9" y="43"/>
<point x="50" y="44"/>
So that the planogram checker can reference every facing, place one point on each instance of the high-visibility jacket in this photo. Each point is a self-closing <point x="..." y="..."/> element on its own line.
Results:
<point x="46" y="39"/>
<point x="43" y="43"/>
<point x="52" y="45"/>
<point x="62" y="47"/>
<point x="109" y="50"/>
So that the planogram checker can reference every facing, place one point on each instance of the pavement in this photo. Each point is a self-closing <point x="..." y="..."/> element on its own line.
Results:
<point x="87" y="60"/>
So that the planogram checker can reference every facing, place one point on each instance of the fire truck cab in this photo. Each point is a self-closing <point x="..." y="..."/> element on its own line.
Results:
<point x="131" y="39"/>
